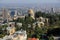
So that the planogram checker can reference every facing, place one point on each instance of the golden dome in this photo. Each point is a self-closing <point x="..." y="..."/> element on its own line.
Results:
<point x="30" y="11"/>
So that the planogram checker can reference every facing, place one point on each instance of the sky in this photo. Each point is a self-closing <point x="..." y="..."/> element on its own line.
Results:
<point x="28" y="1"/>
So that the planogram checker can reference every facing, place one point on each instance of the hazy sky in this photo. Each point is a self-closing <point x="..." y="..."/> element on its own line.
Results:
<point x="29" y="1"/>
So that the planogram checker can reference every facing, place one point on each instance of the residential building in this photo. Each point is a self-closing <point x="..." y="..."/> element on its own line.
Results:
<point x="18" y="35"/>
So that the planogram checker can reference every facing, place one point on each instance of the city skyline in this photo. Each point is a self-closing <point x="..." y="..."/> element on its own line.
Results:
<point x="28" y="1"/>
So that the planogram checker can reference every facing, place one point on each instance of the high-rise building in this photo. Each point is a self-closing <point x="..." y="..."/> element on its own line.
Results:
<point x="1" y="16"/>
<point x="15" y="15"/>
<point x="5" y="14"/>
<point x="9" y="16"/>
<point x="12" y="13"/>
<point x="52" y="10"/>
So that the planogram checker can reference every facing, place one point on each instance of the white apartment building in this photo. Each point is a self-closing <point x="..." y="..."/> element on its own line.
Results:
<point x="18" y="35"/>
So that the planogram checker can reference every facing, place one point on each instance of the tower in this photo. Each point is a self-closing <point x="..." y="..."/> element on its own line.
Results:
<point x="4" y="13"/>
<point x="52" y="10"/>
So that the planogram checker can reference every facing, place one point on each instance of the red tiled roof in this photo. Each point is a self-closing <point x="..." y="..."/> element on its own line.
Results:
<point x="32" y="38"/>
